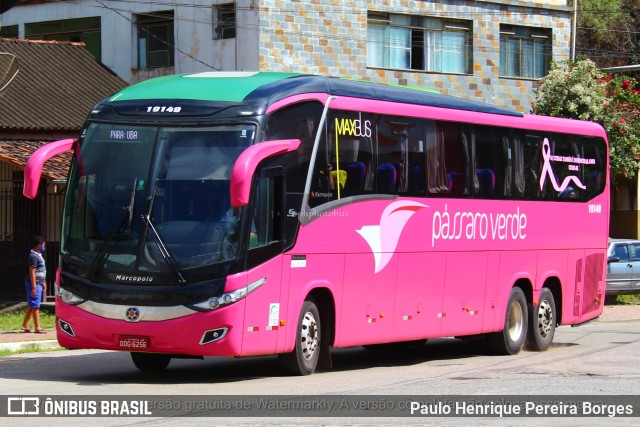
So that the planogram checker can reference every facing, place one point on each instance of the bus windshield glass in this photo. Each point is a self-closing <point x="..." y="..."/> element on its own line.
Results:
<point x="153" y="198"/>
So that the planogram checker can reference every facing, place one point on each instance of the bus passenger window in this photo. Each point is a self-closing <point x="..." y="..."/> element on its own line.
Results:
<point x="344" y="160"/>
<point x="456" y="157"/>
<point x="437" y="181"/>
<point x="401" y="156"/>
<point x="532" y="166"/>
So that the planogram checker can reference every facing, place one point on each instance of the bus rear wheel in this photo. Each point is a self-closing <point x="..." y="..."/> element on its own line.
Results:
<point x="512" y="337"/>
<point x="542" y="322"/>
<point x="150" y="362"/>
<point x="303" y="360"/>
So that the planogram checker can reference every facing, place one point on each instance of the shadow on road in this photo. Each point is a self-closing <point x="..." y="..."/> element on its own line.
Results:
<point x="97" y="368"/>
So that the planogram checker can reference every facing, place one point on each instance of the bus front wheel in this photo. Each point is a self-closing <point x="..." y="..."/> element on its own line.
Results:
<point x="150" y="362"/>
<point x="512" y="337"/>
<point x="303" y="360"/>
<point x="542" y="322"/>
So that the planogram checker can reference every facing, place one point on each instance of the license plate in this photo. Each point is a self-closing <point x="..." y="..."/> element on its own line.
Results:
<point x="133" y="342"/>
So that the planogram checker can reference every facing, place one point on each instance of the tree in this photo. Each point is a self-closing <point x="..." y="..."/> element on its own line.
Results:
<point x="607" y="31"/>
<point x="578" y="90"/>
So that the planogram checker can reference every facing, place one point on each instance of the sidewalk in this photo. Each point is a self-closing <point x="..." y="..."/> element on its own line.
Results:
<point x="16" y="340"/>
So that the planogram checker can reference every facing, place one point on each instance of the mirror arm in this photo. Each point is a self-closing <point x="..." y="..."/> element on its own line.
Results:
<point x="247" y="163"/>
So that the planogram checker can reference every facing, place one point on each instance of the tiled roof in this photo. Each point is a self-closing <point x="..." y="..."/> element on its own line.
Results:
<point x="17" y="153"/>
<point x="57" y="85"/>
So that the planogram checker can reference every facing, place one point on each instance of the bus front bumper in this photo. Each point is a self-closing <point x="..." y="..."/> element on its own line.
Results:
<point x="192" y="333"/>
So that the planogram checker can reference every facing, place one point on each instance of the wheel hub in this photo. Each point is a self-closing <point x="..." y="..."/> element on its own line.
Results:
<point x="309" y="338"/>
<point x="545" y="318"/>
<point x="515" y="322"/>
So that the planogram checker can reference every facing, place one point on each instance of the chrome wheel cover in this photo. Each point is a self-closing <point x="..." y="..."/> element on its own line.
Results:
<point x="545" y="318"/>
<point x="309" y="336"/>
<point x="516" y="322"/>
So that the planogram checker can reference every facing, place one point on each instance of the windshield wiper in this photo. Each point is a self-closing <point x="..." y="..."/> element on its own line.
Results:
<point x="166" y="255"/>
<point x="102" y="252"/>
<point x="132" y="202"/>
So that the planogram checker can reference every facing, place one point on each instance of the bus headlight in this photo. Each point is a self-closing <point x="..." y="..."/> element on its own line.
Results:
<point x="229" y="298"/>
<point x="68" y="297"/>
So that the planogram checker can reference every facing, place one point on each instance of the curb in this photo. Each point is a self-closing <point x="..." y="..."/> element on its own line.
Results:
<point x="15" y="346"/>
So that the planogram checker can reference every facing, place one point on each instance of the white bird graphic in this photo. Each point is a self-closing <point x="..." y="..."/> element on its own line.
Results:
<point x="383" y="238"/>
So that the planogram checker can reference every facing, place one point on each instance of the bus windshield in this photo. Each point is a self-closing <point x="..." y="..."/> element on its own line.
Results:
<point x="153" y="198"/>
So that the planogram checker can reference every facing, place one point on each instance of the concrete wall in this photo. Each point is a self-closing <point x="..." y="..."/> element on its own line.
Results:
<point x="195" y="49"/>
<point x="323" y="37"/>
<point x="330" y="37"/>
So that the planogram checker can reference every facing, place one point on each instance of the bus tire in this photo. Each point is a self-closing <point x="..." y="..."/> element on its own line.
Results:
<point x="150" y="362"/>
<point x="303" y="360"/>
<point x="542" y="322"/>
<point x="514" y="333"/>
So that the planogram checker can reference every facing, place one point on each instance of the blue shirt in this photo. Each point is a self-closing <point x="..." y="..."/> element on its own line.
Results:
<point x="36" y="260"/>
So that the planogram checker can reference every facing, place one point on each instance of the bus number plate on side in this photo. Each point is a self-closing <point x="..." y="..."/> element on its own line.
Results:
<point x="133" y="342"/>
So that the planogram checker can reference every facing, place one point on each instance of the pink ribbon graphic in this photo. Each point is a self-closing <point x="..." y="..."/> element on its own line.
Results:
<point x="546" y="170"/>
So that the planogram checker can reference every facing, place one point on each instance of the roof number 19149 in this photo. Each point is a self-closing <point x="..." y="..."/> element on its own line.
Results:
<point x="163" y="109"/>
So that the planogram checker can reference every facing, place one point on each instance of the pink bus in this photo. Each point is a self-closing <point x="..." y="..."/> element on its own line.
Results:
<point x="239" y="214"/>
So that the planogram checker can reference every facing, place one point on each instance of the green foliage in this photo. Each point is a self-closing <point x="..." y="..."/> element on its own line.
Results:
<point x="29" y="348"/>
<point x="628" y="299"/>
<point x="607" y="31"/>
<point x="12" y="321"/>
<point x="578" y="90"/>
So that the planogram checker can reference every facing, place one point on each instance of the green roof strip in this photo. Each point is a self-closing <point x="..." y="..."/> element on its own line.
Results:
<point x="207" y="86"/>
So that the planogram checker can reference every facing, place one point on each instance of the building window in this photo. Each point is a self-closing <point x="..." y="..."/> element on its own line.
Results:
<point x="85" y="30"/>
<point x="155" y="40"/>
<point x="419" y="43"/>
<point x="224" y="21"/>
<point x="524" y="52"/>
<point x="9" y="32"/>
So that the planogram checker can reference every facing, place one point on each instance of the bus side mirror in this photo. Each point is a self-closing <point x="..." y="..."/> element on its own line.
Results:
<point x="247" y="163"/>
<point x="33" y="169"/>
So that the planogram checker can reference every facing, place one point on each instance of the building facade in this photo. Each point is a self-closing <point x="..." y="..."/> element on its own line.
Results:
<point x="493" y="51"/>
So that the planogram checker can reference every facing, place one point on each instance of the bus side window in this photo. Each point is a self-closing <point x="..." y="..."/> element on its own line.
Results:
<point x="297" y="121"/>
<point x="400" y="169"/>
<point x="266" y="222"/>
<point x="455" y="157"/>
<point x="492" y="165"/>
<point x="434" y="155"/>
<point x="532" y="166"/>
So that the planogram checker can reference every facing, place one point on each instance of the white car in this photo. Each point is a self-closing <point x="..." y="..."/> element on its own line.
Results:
<point x="623" y="267"/>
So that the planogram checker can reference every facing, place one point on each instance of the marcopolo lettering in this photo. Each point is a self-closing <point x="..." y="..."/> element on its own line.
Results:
<point x="134" y="279"/>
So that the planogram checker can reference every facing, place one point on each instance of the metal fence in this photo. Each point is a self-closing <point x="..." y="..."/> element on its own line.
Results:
<point x="20" y="220"/>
